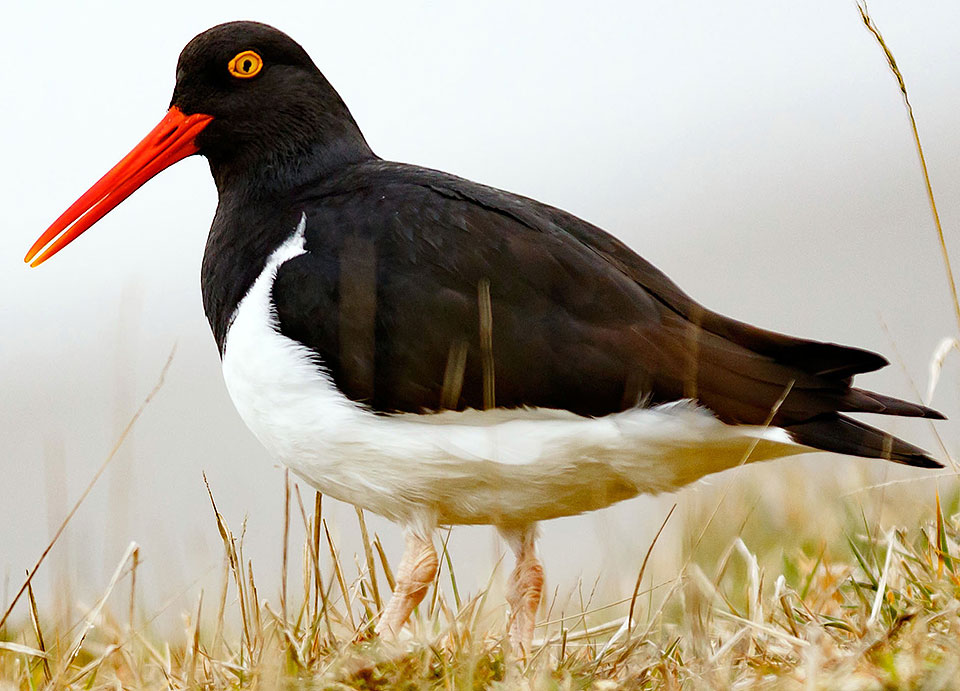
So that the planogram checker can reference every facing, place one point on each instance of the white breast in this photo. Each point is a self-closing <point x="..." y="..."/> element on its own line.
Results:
<point x="499" y="466"/>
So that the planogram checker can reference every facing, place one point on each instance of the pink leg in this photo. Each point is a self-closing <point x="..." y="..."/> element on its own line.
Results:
<point x="525" y="587"/>
<point x="416" y="572"/>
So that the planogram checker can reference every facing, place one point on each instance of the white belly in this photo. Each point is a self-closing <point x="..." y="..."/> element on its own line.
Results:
<point x="500" y="466"/>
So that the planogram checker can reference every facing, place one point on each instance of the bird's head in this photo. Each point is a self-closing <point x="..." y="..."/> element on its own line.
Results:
<point x="249" y="98"/>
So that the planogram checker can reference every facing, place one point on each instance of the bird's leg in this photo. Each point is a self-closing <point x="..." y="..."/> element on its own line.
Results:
<point x="416" y="572"/>
<point x="525" y="587"/>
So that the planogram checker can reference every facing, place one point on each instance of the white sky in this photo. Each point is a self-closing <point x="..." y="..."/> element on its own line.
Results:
<point x="756" y="151"/>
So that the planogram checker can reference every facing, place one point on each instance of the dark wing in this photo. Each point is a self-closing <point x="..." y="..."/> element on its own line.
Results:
<point x="420" y="291"/>
<point x="390" y="295"/>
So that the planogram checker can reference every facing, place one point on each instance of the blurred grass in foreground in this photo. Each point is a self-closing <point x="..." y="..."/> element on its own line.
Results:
<point x="766" y="594"/>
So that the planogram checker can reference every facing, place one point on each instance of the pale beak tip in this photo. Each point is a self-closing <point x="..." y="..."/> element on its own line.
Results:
<point x="31" y="254"/>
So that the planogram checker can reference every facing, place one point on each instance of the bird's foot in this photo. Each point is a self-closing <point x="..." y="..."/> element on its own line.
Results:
<point x="524" y="593"/>
<point x="418" y="568"/>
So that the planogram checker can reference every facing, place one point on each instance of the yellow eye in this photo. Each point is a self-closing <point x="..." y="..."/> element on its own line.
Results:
<point x="245" y="65"/>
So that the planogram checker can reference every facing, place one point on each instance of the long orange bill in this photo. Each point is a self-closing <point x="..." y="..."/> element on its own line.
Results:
<point x="168" y="142"/>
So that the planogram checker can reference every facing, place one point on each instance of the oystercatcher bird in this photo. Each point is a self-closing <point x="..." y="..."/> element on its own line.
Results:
<point x="441" y="352"/>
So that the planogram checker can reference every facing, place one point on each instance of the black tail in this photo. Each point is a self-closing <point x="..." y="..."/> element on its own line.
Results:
<point x="863" y="401"/>
<point x="743" y="372"/>
<point x="835" y="432"/>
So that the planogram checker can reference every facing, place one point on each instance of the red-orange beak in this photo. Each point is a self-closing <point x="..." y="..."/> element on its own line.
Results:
<point x="168" y="142"/>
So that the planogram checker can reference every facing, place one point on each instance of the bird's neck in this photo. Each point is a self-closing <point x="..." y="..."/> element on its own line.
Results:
<point x="257" y="180"/>
<point x="328" y="143"/>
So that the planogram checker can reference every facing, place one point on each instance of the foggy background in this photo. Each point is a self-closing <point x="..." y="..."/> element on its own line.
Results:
<point x="758" y="152"/>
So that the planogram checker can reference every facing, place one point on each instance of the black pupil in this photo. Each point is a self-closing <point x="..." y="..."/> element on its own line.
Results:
<point x="247" y="65"/>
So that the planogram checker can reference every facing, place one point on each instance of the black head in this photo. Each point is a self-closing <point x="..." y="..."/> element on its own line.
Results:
<point x="271" y="106"/>
<point x="250" y="99"/>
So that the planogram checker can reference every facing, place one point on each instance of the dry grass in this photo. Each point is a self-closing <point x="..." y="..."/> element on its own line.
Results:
<point x="844" y="603"/>
<point x="781" y="583"/>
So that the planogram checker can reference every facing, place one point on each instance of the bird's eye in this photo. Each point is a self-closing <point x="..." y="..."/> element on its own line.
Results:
<point x="245" y="65"/>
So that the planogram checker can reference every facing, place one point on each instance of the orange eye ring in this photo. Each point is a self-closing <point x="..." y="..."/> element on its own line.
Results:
<point x="245" y="65"/>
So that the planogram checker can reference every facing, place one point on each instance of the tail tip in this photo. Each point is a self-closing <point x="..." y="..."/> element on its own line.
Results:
<point x="919" y="460"/>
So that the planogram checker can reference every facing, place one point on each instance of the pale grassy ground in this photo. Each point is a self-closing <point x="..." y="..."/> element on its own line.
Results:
<point x="765" y="578"/>
<point x="776" y="583"/>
